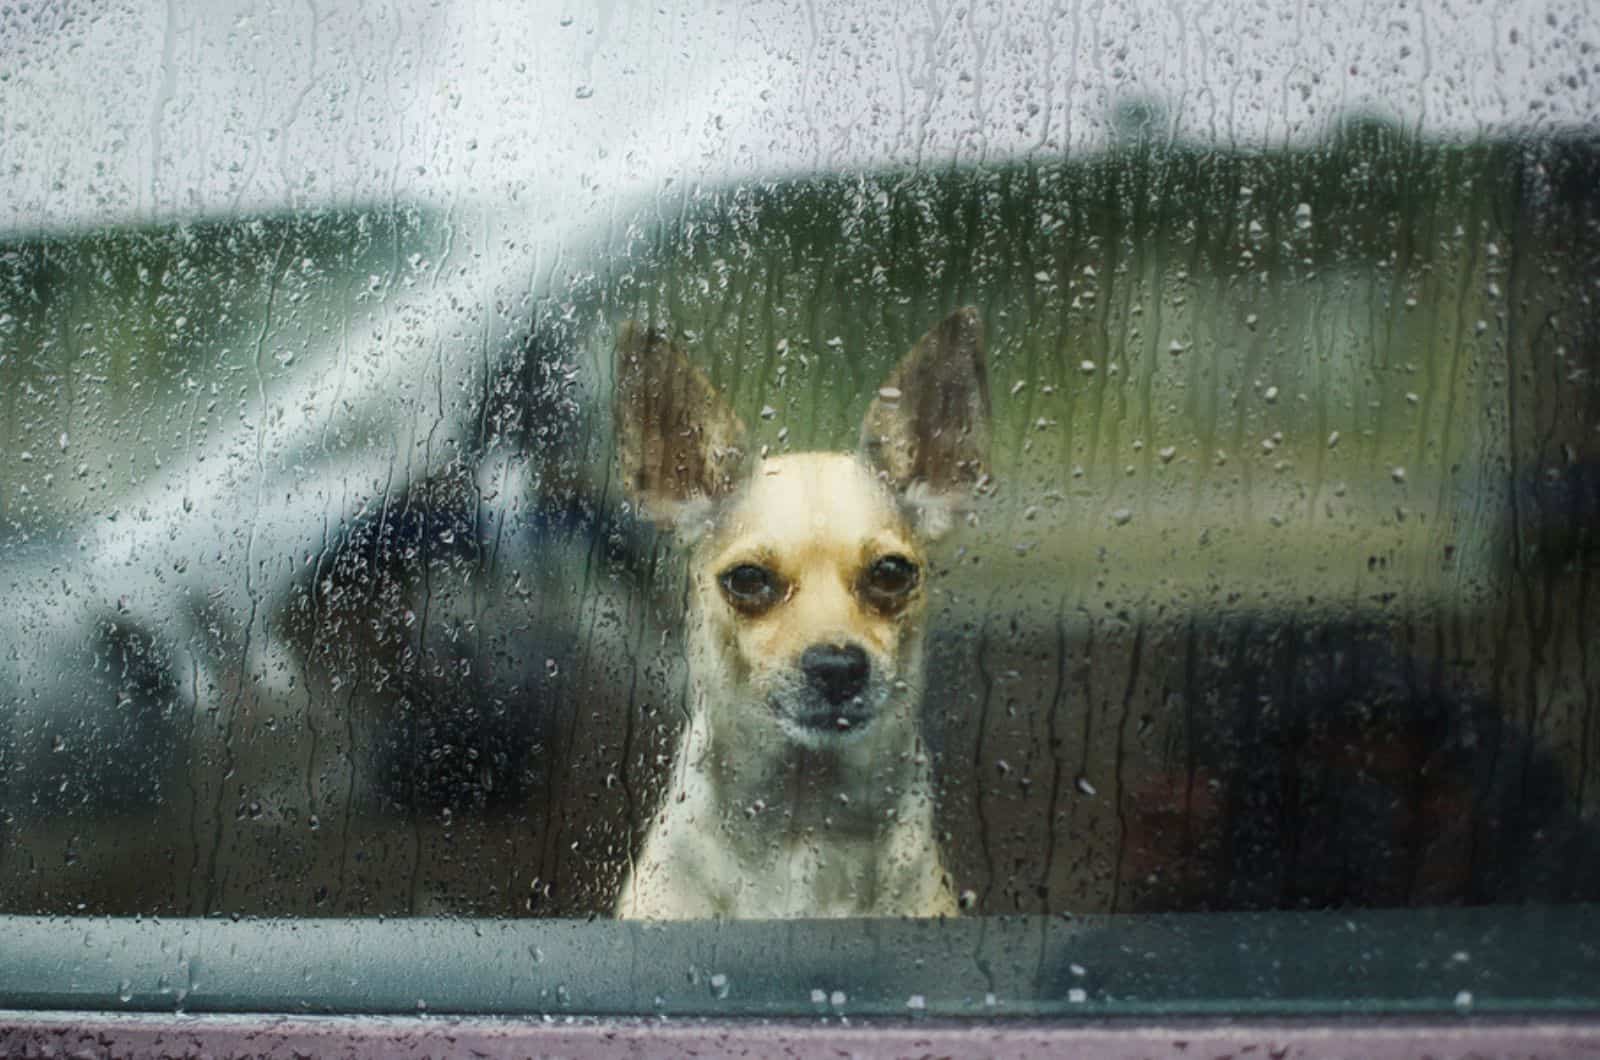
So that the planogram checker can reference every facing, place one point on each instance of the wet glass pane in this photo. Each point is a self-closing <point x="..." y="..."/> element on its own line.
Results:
<point x="1204" y="525"/>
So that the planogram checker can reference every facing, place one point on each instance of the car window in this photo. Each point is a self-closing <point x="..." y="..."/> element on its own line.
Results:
<point x="451" y="557"/>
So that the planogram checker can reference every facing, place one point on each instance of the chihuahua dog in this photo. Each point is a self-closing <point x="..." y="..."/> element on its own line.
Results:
<point x="801" y="786"/>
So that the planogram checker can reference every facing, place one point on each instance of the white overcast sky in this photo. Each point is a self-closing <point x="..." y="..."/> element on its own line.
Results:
<point x="139" y="110"/>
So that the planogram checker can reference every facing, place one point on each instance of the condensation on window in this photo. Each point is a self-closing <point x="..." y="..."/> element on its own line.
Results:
<point x="324" y="591"/>
<point x="1278" y="596"/>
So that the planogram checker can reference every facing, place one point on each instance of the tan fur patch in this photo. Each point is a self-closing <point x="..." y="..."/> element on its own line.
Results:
<point x="818" y="520"/>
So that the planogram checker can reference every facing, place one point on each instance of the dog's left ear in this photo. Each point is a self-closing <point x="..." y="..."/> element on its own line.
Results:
<point x="928" y="428"/>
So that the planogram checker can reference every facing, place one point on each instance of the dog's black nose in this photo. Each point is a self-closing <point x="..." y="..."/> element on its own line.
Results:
<point x="838" y="672"/>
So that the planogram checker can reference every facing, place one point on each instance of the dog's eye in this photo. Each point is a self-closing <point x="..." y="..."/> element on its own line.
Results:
<point x="751" y="588"/>
<point x="889" y="581"/>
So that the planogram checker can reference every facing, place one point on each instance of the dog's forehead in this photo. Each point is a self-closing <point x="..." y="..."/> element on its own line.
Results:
<point x="801" y="497"/>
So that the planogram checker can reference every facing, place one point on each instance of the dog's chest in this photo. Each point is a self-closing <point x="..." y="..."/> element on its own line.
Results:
<point x="810" y="877"/>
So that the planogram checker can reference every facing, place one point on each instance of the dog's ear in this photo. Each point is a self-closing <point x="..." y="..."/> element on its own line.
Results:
<point x="678" y="441"/>
<point x="928" y="428"/>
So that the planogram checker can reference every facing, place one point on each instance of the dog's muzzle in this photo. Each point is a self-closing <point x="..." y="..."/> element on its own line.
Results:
<point x="837" y="676"/>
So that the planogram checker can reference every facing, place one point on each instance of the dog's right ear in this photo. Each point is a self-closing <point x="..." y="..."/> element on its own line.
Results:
<point x="678" y="442"/>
